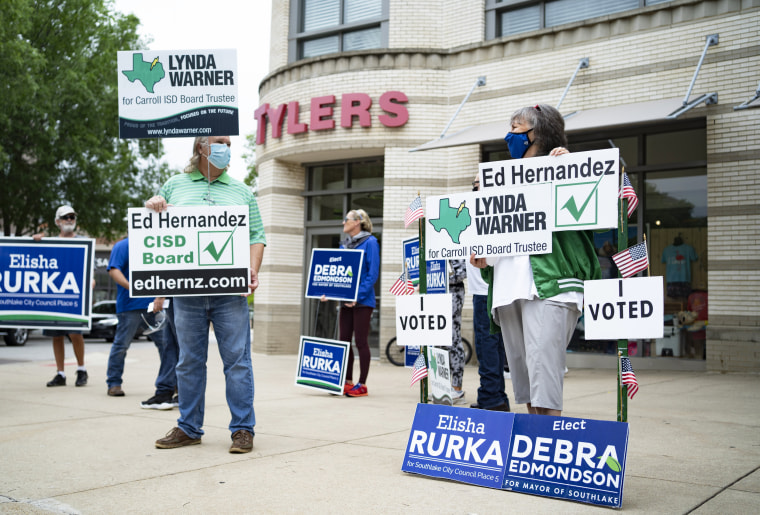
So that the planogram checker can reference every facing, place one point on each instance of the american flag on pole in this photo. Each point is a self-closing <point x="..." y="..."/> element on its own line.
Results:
<point x="419" y="370"/>
<point x="413" y="212"/>
<point x="402" y="286"/>
<point x="627" y="377"/>
<point x="627" y="191"/>
<point x="632" y="260"/>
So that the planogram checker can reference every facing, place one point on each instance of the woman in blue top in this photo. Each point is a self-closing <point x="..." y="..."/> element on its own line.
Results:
<point x="355" y="316"/>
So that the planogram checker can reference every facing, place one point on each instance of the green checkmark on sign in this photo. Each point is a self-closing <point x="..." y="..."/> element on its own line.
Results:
<point x="216" y="254"/>
<point x="572" y="207"/>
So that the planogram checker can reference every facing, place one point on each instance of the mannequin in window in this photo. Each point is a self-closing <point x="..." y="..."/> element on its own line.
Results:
<point x="677" y="258"/>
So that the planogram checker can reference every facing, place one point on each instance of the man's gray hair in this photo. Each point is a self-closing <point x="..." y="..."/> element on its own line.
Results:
<point x="193" y="164"/>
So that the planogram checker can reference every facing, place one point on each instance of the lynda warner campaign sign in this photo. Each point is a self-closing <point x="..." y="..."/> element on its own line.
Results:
<point x="177" y="93"/>
<point x="335" y="273"/>
<point x="46" y="284"/>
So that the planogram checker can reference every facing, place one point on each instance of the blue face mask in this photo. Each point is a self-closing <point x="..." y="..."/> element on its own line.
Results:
<point x="220" y="155"/>
<point x="518" y="143"/>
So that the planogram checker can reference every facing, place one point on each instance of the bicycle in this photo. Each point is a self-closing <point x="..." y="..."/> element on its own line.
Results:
<point x="395" y="353"/>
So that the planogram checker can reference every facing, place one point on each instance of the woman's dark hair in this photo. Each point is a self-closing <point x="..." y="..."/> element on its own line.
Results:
<point x="548" y="126"/>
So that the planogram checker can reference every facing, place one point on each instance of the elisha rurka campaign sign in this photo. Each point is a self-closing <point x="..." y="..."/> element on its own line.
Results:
<point x="199" y="250"/>
<point x="178" y="93"/>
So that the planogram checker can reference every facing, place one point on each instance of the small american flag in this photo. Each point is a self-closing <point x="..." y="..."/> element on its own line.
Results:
<point x="419" y="370"/>
<point x="632" y="260"/>
<point x="627" y="377"/>
<point x="402" y="286"/>
<point x="627" y="191"/>
<point x="413" y="212"/>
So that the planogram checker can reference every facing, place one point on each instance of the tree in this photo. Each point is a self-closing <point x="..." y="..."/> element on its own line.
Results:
<point x="250" y="162"/>
<point x="59" y="123"/>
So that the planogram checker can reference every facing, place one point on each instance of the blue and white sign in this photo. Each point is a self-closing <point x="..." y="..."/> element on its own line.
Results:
<point x="436" y="276"/>
<point x="411" y="353"/>
<point x="322" y="364"/>
<point x="568" y="458"/>
<point x="46" y="284"/>
<point x="335" y="273"/>
<point x="412" y="259"/>
<point x="466" y="445"/>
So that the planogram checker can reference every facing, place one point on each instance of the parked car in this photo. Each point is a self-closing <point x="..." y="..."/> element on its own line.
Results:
<point x="14" y="337"/>
<point x="104" y="321"/>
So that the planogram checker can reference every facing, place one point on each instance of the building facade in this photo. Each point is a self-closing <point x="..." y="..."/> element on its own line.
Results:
<point x="358" y="112"/>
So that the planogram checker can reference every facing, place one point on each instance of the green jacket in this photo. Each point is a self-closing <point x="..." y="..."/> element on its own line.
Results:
<point x="572" y="260"/>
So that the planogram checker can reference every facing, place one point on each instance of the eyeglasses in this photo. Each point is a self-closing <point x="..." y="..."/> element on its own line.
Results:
<point x="158" y="319"/>
<point x="69" y="217"/>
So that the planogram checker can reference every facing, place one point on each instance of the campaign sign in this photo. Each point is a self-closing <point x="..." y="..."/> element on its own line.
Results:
<point x="437" y="277"/>
<point x="439" y="376"/>
<point x="568" y="458"/>
<point x="412" y="259"/>
<point x="198" y="250"/>
<point x="584" y="185"/>
<point x="177" y="93"/>
<point x="411" y="353"/>
<point x="623" y="308"/>
<point x="335" y="273"/>
<point x="46" y="284"/>
<point x="467" y="445"/>
<point x="423" y="319"/>
<point x="513" y="221"/>
<point x="322" y="364"/>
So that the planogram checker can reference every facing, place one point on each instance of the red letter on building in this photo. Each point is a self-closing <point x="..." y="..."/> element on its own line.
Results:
<point x="355" y="104"/>
<point x="390" y="103"/>
<point x="294" y="126"/>
<point x="275" y="118"/>
<point x="321" y="107"/>
<point x="261" y="128"/>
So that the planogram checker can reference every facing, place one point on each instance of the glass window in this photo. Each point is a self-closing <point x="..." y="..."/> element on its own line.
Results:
<point x="568" y="11"/>
<point x="357" y="10"/>
<point x="325" y="207"/>
<point x="521" y="20"/>
<point x="659" y="147"/>
<point x="367" y="175"/>
<point x="329" y="177"/>
<point x="320" y="14"/>
<point x="321" y="46"/>
<point x="676" y="199"/>
<point x="362" y="39"/>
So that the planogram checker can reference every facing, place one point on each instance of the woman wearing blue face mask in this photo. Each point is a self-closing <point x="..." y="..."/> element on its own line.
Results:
<point x="535" y="301"/>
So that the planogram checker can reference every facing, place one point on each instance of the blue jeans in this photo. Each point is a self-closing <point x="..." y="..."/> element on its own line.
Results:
<point x="229" y="314"/>
<point x="129" y="323"/>
<point x="166" y="382"/>
<point x="491" y="356"/>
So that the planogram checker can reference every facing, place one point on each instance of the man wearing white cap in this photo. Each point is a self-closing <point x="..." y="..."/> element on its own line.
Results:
<point x="66" y="220"/>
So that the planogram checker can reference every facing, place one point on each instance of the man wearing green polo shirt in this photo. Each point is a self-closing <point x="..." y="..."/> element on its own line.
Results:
<point x="206" y="183"/>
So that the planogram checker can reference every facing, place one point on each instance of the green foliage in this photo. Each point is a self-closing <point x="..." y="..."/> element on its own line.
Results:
<point x="59" y="123"/>
<point x="250" y="161"/>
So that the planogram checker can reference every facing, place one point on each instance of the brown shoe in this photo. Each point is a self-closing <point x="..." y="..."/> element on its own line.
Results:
<point x="176" y="438"/>
<point x="242" y="441"/>
<point x="116" y="391"/>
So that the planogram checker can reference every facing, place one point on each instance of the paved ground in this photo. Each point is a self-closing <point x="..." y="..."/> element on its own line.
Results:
<point x="694" y="444"/>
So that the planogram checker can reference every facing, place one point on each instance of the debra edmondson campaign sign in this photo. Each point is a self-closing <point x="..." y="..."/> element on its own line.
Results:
<point x="493" y="222"/>
<point x="623" y="308"/>
<point x="199" y="250"/>
<point x="46" y="284"/>
<point x="177" y="93"/>
<point x="335" y="273"/>
<point x="322" y="364"/>
<point x="584" y="185"/>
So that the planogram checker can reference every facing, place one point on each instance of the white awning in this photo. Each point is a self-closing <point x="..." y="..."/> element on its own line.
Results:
<point x="601" y="118"/>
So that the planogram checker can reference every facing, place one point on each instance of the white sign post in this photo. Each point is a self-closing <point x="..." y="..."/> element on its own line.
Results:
<point x="623" y="308"/>
<point x="423" y="320"/>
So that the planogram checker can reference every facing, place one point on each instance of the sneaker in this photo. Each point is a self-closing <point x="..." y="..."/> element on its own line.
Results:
<point x="500" y="407"/>
<point x="242" y="442"/>
<point x="81" y="378"/>
<point x="457" y="396"/>
<point x="162" y="402"/>
<point x="359" y="390"/>
<point x="175" y="401"/>
<point x="176" y="438"/>
<point x="116" y="391"/>
<point x="347" y="387"/>
<point x="58" y="380"/>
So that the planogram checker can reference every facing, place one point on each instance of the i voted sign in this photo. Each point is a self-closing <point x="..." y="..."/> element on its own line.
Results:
<point x="623" y="308"/>
<point x="322" y="364"/>
<point x="466" y="445"/>
<point x="568" y="458"/>
<point x="423" y="320"/>
<point x="335" y="273"/>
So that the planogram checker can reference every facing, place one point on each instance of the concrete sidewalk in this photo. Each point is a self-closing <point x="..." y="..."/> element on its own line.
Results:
<point x="694" y="444"/>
